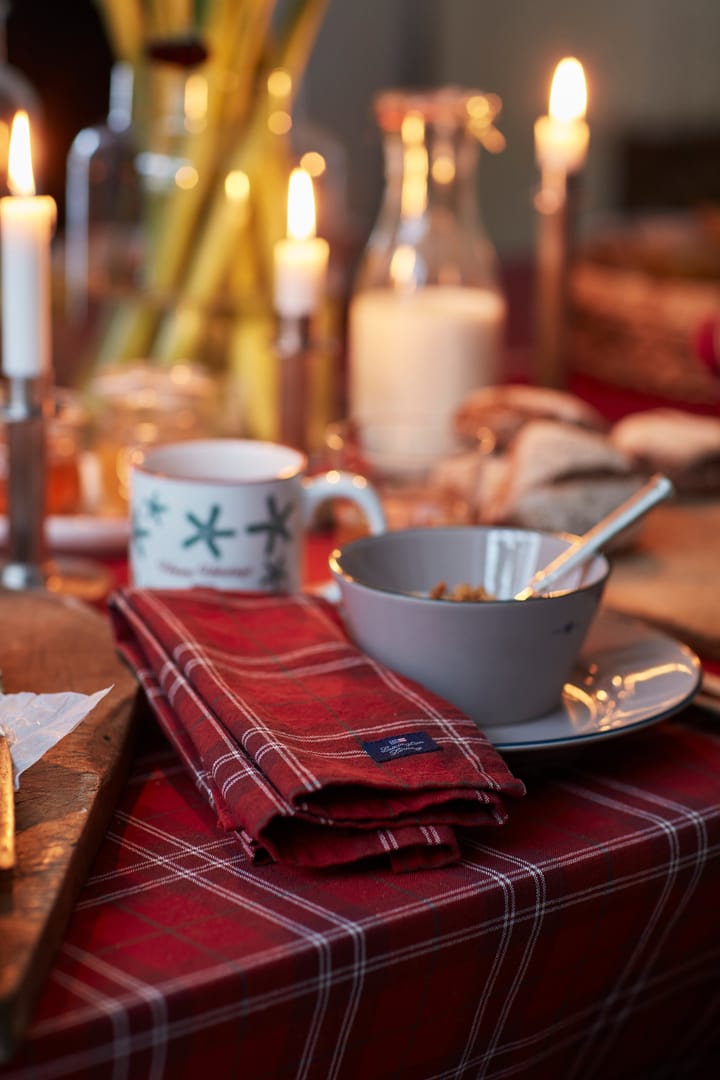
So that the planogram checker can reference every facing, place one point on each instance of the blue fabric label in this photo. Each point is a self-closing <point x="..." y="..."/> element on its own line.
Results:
<point x="397" y="746"/>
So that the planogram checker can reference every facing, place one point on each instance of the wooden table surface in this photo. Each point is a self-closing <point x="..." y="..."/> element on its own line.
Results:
<point x="65" y="800"/>
<point x="671" y="577"/>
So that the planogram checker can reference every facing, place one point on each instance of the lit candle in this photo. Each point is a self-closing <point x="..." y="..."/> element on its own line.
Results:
<point x="301" y="259"/>
<point x="562" y="137"/>
<point x="561" y="144"/>
<point x="27" y="221"/>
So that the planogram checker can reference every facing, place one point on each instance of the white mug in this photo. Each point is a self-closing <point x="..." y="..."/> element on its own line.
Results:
<point x="229" y="514"/>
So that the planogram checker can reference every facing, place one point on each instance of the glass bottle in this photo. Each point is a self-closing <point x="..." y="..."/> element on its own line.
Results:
<point x="427" y="315"/>
<point x="102" y="202"/>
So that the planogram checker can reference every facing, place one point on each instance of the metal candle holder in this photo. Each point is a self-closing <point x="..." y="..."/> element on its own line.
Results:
<point x="555" y="204"/>
<point x="26" y="414"/>
<point x="293" y="347"/>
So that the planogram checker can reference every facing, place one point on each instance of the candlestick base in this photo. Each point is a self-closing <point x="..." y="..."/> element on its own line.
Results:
<point x="25" y="415"/>
<point x="17" y="577"/>
<point x="555" y="204"/>
<point x="82" y="579"/>
<point x="293" y="347"/>
<point x="29" y="405"/>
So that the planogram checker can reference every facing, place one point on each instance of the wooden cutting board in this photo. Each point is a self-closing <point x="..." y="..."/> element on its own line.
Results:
<point x="672" y="576"/>
<point x="47" y="645"/>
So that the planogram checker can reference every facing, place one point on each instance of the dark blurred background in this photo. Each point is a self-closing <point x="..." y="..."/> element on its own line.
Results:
<point x="62" y="49"/>
<point x="653" y="79"/>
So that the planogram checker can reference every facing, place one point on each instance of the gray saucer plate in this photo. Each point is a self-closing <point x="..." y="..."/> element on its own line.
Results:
<point x="628" y="677"/>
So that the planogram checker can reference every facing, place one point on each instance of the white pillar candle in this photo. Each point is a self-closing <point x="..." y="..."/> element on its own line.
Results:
<point x="301" y="259"/>
<point x="561" y="144"/>
<point x="26" y="226"/>
<point x="562" y="137"/>
<point x="420" y="353"/>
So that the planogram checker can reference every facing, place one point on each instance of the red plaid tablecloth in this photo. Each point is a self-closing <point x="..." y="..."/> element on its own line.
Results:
<point x="581" y="940"/>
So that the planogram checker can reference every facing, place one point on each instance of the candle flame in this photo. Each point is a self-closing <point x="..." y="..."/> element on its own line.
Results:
<point x="20" y="171"/>
<point x="301" y="206"/>
<point x="568" y="93"/>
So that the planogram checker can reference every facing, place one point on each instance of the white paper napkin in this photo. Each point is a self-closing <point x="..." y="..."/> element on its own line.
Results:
<point x="33" y="723"/>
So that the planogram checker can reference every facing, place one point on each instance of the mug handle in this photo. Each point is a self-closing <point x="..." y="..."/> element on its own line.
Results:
<point x="343" y="485"/>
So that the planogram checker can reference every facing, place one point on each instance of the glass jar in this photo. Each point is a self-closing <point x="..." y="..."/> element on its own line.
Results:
<point x="139" y="405"/>
<point x="427" y="315"/>
<point x="193" y="282"/>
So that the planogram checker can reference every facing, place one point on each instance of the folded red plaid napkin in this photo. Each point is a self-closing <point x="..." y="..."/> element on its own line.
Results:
<point x="316" y="754"/>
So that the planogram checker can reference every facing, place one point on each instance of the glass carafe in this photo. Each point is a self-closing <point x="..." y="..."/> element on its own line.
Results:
<point x="102" y="224"/>
<point x="427" y="314"/>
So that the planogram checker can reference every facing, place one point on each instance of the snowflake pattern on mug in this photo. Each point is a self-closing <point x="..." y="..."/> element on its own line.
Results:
<point x="138" y="534"/>
<point x="275" y="526"/>
<point x="275" y="573"/>
<point x="207" y="532"/>
<point x="155" y="509"/>
<point x="276" y="531"/>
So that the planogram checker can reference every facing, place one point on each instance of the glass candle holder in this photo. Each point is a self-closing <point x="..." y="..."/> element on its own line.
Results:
<point x="139" y="405"/>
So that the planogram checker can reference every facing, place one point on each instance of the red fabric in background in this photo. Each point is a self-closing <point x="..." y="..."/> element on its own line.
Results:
<point x="610" y="400"/>
<point x="613" y="403"/>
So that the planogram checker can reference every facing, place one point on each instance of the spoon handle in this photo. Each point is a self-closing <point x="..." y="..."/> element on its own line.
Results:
<point x="657" y="488"/>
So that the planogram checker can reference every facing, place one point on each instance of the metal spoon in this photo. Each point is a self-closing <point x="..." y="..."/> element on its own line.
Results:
<point x="657" y="488"/>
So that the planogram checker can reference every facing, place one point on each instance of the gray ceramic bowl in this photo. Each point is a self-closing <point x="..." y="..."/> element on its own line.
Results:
<point x="501" y="661"/>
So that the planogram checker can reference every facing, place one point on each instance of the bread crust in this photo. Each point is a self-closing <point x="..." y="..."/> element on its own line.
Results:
<point x="683" y="445"/>
<point x="504" y="410"/>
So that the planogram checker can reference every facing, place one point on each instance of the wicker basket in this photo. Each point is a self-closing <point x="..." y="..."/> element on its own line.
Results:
<point x="636" y="325"/>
